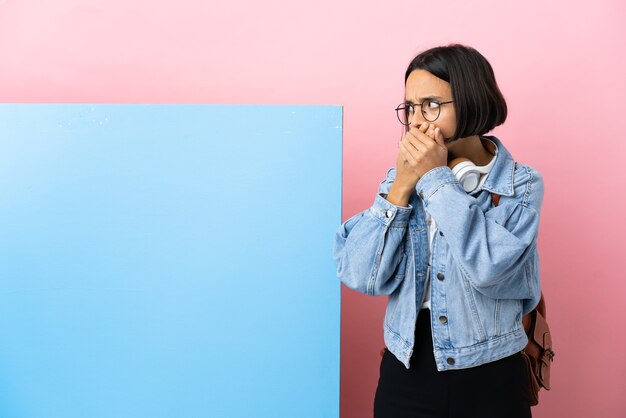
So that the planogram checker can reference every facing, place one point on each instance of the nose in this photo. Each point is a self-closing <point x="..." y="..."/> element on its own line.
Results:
<point x="417" y="119"/>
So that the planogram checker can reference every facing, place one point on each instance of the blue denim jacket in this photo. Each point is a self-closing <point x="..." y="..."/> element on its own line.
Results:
<point x="485" y="266"/>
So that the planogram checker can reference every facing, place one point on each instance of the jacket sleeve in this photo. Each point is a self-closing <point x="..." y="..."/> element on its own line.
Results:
<point x="494" y="248"/>
<point x="369" y="247"/>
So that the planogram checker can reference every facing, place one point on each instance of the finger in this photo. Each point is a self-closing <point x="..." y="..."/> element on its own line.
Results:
<point x="421" y="128"/>
<point x="408" y="157"/>
<point x="410" y="150"/>
<point x="427" y="129"/>
<point x="439" y="137"/>
<point x="409" y="147"/>
<point x="420" y="140"/>
<point x="417" y="146"/>
<point x="431" y="131"/>
<point x="411" y="141"/>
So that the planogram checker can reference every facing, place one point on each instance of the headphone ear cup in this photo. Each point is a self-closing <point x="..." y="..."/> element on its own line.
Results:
<point x="466" y="173"/>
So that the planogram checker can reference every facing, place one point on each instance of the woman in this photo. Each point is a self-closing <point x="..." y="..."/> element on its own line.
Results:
<point x="456" y="253"/>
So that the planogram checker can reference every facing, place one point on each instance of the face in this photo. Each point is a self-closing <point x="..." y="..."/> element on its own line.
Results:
<point x="421" y="85"/>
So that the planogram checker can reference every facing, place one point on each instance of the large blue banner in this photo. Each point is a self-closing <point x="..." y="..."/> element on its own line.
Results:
<point x="169" y="261"/>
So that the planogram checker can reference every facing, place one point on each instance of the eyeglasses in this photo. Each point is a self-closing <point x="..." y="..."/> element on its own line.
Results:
<point x="430" y="110"/>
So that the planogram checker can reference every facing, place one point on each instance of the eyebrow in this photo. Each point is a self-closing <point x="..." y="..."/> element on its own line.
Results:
<point x="424" y="98"/>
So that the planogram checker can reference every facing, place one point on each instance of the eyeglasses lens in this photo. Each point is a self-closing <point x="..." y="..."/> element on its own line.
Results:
<point x="430" y="111"/>
<point x="402" y="112"/>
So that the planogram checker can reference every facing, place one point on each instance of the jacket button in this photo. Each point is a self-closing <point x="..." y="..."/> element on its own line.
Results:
<point x="422" y="195"/>
<point x="389" y="213"/>
<point x="443" y="319"/>
<point x="440" y="276"/>
<point x="450" y="361"/>
<point x="441" y="233"/>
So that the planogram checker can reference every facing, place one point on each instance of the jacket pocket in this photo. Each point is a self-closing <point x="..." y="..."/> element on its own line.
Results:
<point x="400" y="271"/>
<point x="508" y="316"/>
<point x="470" y="300"/>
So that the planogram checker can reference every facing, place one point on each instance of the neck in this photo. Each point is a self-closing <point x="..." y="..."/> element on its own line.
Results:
<point x="478" y="151"/>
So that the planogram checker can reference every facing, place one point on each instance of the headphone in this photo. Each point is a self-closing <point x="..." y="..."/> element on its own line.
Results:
<point x="467" y="173"/>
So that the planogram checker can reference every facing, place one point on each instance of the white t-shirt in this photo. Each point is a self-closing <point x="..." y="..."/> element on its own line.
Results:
<point x="432" y="230"/>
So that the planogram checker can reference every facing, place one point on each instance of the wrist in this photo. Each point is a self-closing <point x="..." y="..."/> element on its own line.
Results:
<point x="402" y="188"/>
<point x="399" y="194"/>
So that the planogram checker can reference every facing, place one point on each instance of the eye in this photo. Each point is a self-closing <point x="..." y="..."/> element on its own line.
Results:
<point x="431" y="104"/>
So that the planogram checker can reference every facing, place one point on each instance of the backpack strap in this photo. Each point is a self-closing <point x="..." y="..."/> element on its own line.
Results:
<point x="495" y="198"/>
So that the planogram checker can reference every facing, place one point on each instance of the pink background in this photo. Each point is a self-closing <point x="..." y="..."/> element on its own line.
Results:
<point x="561" y="65"/>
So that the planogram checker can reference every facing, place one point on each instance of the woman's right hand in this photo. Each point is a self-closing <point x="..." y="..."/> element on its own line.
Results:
<point x="405" y="174"/>
<point x="406" y="178"/>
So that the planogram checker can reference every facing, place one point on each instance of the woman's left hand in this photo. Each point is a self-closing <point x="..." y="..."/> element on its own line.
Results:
<point x="424" y="151"/>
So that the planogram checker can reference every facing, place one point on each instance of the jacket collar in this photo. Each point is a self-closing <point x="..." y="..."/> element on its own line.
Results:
<point x="500" y="178"/>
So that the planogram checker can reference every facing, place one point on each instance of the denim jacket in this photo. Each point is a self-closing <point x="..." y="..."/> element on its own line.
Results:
<point x="485" y="266"/>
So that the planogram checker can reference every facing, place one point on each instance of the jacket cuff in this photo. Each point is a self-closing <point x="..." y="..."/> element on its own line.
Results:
<point x="434" y="180"/>
<point x="390" y="214"/>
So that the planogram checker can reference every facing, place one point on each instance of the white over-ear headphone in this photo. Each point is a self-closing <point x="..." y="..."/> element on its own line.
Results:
<point x="467" y="173"/>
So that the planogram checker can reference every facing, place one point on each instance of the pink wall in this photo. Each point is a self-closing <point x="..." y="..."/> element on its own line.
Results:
<point x="560" y="64"/>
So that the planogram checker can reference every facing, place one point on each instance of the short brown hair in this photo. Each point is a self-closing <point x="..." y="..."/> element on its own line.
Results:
<point x="478" y="102"/>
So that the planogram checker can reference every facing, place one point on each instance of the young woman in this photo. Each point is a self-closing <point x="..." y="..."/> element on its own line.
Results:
<point x="451" y="238"/>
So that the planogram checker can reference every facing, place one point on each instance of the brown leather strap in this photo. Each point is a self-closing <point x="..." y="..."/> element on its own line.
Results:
<point x="528" y="319"/>
<point x="495" y="198"/>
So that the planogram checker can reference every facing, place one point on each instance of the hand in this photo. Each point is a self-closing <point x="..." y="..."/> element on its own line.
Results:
<point x="421" y="150"/>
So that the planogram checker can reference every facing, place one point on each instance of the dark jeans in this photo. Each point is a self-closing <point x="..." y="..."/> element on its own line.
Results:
<point x="494" y="390"/>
